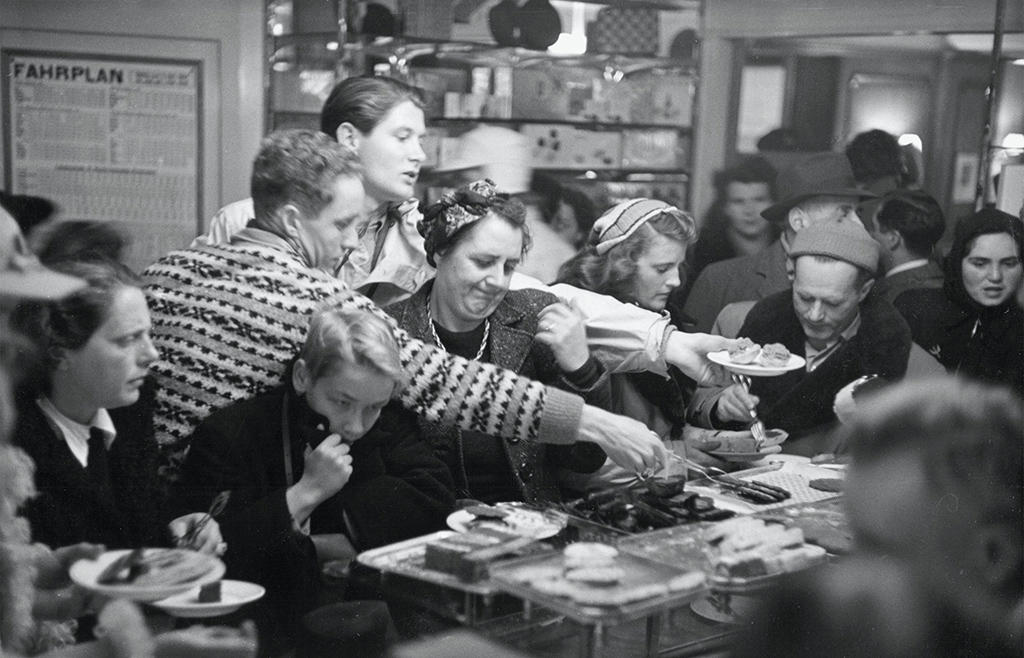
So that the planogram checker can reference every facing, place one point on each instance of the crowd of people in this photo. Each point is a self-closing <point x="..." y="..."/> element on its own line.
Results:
<point x="350" y="366"/>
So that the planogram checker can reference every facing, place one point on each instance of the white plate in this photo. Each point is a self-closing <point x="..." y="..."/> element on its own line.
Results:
<point x="744" y="457"/>
<point x="772" y="446"/>
<point x="85" y="572"/>
<point x="233" y="595"/>
<point x="519" y="521"/>
<point x="755" y="369"/>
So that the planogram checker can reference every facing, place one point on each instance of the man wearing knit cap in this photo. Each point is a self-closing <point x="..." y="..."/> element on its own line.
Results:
<point x="827" y="318"/>
<point x="820" y="188"/>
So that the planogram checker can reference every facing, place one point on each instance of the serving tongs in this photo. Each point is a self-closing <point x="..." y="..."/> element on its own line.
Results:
<point x="753" y="490"/>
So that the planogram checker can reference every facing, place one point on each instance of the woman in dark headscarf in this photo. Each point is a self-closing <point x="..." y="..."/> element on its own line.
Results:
<point x="973" y="325"/>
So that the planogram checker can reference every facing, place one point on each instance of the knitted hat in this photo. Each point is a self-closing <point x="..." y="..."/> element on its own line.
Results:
<point x="623" y="219"/>
<point x="822" y="174"/>
<point x="845" y="241"/>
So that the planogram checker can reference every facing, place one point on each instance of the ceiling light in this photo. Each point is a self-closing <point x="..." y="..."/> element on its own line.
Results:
<point x="910" y="139"/>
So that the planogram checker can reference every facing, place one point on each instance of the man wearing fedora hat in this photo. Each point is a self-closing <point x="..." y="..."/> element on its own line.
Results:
<point x="819" y="188"/>
<point x="828" y="319"/>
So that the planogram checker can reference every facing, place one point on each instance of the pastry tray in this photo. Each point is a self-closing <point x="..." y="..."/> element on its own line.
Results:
<point x="756" y="583"/>
<point x="638" y="571"/>
<point x="823" y="522"/>
<point x="683" y="547"/>
<point x="407" y="558"/>
<point x="679" y="546"/>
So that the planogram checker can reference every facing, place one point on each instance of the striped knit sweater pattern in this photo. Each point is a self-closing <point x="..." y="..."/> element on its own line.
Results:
<point x="228" y="319"/>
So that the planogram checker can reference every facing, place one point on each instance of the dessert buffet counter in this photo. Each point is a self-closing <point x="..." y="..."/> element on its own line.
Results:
<point x="676" y="589"/>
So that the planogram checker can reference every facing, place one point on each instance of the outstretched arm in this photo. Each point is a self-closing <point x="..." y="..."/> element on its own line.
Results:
<point x="627" y="338"/>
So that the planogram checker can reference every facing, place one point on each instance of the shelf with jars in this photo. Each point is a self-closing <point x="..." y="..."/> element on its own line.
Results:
<point x="597" y="118"/>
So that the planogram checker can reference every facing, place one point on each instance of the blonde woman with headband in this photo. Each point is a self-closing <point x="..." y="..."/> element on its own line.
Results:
<point x="635" y="253"/>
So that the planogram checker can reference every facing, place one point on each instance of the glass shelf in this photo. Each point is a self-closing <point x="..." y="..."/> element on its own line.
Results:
<point x="585" y="98"/>
<point x="579" y="123"/>
<point x="469" y="53"/>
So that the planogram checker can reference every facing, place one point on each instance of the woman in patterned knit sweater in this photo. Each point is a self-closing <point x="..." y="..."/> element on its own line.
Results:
<point x="227" y="319"/>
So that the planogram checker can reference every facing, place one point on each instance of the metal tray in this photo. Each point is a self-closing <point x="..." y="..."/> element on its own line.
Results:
<point x="823" y="522"/>
<point x="684" y="547"/>
<point x="758" y="583"/>
<point x="679" y="546"/>
<point x="407" y="559"/>
<point x="638" y="571"/>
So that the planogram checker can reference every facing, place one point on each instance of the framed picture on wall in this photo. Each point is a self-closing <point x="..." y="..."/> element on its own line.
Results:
<point x="108" y="138"/>
<point x="1010" y="191"/>
<point x="965" y="177"/>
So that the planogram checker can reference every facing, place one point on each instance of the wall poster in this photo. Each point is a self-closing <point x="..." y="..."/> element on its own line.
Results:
<point x="108" y="138"/>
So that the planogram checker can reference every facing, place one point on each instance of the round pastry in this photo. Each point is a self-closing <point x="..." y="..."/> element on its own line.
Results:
<point x="595" y="575"/>
<point x="774" y="355"/>
<point x="588" y="554"/>
<point x="621" y="595"/>
<point x="744" y="351"/>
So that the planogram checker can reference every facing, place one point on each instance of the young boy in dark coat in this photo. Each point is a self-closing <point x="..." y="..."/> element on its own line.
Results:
<point x="314" y="475"/>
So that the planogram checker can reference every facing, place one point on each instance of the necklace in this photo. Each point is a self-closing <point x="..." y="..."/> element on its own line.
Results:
<point x="437" y="339"/>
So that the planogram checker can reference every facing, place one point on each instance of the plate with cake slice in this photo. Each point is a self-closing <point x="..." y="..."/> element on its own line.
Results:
<point x="749" y="358"/>
<point x="512" y="518"/>
<point x="146" y="574"/>
<point x="212" y="600"/>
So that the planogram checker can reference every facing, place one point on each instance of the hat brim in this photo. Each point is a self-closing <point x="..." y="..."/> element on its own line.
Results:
<point x="777" y="212"/>
<point x="39" y="284"/>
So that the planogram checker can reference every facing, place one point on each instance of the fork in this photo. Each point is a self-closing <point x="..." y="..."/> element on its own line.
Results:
<point x="757" y="427"/>
<point x="217" y="505"/>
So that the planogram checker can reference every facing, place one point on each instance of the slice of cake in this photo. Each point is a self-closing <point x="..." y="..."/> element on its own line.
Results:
<point x="467" y="555"/>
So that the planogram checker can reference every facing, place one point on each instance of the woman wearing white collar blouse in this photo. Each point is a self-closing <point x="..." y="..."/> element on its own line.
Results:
<point x="83" y="417"/>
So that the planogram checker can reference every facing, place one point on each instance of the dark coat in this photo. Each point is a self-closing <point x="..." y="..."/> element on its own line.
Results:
<point x="926" y="276"/>
<point x="512" y="346"/>
<point x="800" y="402"/>
<point x="736" y="280"/>
<point x="968" y="338"/>
<point x="69" y="509"/>
<point x="398" y="490"/>
<point x="986" y="345"/>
